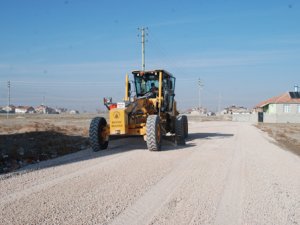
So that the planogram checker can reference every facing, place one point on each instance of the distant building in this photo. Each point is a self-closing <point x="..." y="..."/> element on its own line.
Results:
<point x="61" y="110"/>
<point x="235" y="110"/>
<point x="284" y="108"/>
<point x="74" y="112"/>
<point x="210" y="113"/>
<point x="223" y="112"/>
<point x="9" y="109"/>
<point x="24" y="109"/>
<point x="42" y="109"/>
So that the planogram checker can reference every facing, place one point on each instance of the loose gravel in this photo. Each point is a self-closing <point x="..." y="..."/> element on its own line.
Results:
<point x="228" y="173"/>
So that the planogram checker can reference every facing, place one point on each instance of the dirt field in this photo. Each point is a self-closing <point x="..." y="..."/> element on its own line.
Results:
<point x="286" y="135"/>
<point x="32" y="138"/>
<point x="228" y="173"/>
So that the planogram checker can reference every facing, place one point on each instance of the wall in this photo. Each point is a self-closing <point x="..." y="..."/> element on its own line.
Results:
<point x="294" y="109"/>
<point x="252" y="118"/>
<point x="268" y="118"/>
<point x="272" y="108"/>
<point x="282" y="118"/>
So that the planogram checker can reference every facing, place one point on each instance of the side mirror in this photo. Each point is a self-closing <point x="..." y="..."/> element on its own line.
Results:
<point x="129" y="87"/>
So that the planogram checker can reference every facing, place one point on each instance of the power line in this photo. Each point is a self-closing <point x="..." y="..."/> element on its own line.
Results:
<point x="66" y="82"/>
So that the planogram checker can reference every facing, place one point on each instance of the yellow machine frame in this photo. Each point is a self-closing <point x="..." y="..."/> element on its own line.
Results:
<point x="151" y="114"/>
<point x="118" y="118"/>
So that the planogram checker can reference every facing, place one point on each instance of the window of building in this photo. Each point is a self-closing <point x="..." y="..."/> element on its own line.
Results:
<point x="287" y="108"/>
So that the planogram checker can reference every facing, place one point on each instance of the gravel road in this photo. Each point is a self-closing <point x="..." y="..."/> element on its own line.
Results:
<point x="228" y="173"/>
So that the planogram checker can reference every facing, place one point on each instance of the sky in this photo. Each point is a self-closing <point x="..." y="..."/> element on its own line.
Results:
<point x="72" y="53"/>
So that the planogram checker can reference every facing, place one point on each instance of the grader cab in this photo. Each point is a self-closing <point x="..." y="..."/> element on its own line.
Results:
<point x="148" y="110"/>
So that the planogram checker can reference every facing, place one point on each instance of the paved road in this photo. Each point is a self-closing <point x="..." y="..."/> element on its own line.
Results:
<point x="228" y="173"/>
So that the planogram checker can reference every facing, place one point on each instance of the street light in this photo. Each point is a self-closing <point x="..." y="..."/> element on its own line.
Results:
<point x="201" y="85"/>
<point x="8" y="99"/>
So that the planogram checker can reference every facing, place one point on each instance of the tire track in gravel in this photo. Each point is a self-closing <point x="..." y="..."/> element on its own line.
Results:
<point x="51" y="170"/>
<point x="230" y="206"/>
<point x="195" y="201"/>
<point x="145" y="208"/>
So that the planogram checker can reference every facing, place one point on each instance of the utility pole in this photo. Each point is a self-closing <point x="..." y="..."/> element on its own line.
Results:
<point x="200" y="84"/>
<point x="143" y="35"/>
<point x="8" y="98"/>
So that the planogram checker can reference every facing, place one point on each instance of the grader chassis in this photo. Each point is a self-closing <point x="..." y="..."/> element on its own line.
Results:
<point x="151" y="112"/>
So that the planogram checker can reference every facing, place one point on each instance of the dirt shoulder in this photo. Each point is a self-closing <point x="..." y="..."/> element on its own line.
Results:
<point x="287" y="135"/>
<point x="29" y="139"/>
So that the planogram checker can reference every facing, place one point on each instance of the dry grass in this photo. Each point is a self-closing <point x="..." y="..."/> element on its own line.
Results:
<point x="287" y="135"/>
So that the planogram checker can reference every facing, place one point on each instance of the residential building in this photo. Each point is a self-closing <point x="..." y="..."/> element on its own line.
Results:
<point x="284" y="108"/>
<point x="42" y="109"/>
<point x="24" y="109"/>
<point x="235" y="110"/>
<point x="74" y="111"/>
<point x="9" y="109"/>
<point x="61" y="110"/>
<point x="287" y="103"/>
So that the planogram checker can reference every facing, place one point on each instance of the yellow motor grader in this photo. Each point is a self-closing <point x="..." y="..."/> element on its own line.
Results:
<point x="149" y="110"/>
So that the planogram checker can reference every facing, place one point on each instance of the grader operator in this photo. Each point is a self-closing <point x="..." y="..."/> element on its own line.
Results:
<point x="149" y="110"/>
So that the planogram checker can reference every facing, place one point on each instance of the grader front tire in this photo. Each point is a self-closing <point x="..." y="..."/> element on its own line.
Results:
<point x="180" y="131"/>
<point x="97" y="137"/>
<point x="153" y="132"/>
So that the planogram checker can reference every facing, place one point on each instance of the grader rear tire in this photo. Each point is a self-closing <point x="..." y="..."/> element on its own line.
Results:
<point x="185" y="126"/>
<point x="179" y="131"/>
<point x="97" y="138"/>
<point x="153" y="132"/>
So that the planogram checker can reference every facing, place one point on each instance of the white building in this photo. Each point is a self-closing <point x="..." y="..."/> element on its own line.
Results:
<point x="42" y="109"/>
<point x="74" y="112"/>
<point x="24" y="109"/>
<point x="9" y="109"/>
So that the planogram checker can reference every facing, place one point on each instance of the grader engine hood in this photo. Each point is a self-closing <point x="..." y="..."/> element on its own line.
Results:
<point x="129" y="117"/>
<point x="118" y="121"/>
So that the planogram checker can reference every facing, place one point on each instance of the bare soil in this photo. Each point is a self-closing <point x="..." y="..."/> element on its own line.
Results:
<point x="30" y="139"/>
<point x="287" y="135"/>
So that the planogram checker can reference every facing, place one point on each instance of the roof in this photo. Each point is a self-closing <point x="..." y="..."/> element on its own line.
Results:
<point x="24" y="107"/>
<point x="286" y="98"/>
<point x="155" y="72"/>
<point x="41" y="107"/>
